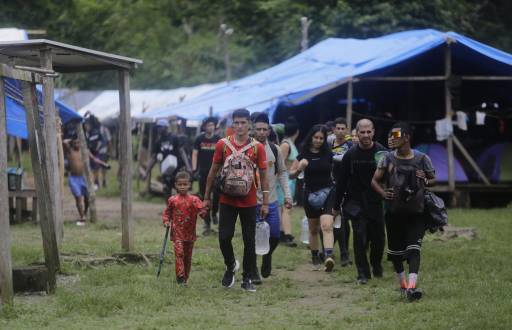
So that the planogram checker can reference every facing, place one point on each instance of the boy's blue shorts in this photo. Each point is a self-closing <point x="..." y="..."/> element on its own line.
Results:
<point x="77" y="185"/>
<point x="272" y="218"/>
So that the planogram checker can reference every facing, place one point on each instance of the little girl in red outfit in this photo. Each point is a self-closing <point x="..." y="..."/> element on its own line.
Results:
<point x="181" y="215"/>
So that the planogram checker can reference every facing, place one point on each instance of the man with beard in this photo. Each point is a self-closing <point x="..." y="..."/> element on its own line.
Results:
<point x="361" y="204"/>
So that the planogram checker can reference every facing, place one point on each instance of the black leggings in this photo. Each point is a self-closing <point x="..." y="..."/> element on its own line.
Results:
<point x="227" y="221"/>
<point x="405" y="235"/>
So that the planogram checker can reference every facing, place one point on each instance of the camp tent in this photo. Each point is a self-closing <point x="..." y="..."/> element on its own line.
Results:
<point x="496" y="162"/>
<point x="106" y="105"/>
<point x="334" y="62"/>
<point x="16" y="119"/>
<point x="438" y="154"/>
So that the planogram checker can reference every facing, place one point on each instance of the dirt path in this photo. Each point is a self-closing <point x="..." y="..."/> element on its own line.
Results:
<point x="321" y="292"/>
<point x="109" y="209"/>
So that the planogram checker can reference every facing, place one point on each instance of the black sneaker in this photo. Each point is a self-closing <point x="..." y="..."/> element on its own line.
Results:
<point x="266" y="266"/>
<point x="317" y="263"/>
<point x="256" y="279"/>
<point x="247" y="285"/>
<point x="362" y="279"/>
<point x="377" y="272"/>
<point x="229" y="275"/>
<point x="288" y="241"/>
<point x="413" y="294"/>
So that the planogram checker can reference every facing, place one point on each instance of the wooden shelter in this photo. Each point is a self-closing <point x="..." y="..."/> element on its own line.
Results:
<point x="39" y="62"/>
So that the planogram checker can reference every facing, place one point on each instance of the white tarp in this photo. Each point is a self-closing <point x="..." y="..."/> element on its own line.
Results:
<point x="106" y="104"/>
<point x="13" y="34"/>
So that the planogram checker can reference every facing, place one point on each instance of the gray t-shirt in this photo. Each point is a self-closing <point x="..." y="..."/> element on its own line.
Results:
<point x="281" y="175"/>
<point x="421" y="161"/>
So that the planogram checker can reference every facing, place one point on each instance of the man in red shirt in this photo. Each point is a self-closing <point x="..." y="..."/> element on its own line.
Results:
<point x="244" y="206"/>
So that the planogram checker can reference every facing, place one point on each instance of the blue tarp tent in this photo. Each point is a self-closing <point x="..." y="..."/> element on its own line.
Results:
<point x="16" y="120"/>
<point x="332" y="63"/>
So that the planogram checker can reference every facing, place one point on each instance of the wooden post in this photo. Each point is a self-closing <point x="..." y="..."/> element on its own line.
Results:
<point x="150" y="155"/>
<point x="350" y="92"/>
<point x="448" y="114"/>
<point x="37" y="143"/>
<point x="125" y="160"/>
<point x="92" y="215"/>
<point x="6" y="288"/>
<point x="60" y="152"/>
<point x="50" y="132"/>
<point x="18" y="151"/>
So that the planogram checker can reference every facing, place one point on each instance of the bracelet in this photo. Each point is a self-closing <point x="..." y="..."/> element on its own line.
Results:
<point x="265" y="191"/>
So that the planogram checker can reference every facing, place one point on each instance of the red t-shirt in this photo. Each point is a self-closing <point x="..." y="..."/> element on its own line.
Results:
<point x="183" y="211"/>
<point x="259" y="158"/>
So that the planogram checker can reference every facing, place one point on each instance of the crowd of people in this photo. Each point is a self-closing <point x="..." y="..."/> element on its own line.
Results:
<point x="253" y="173"/>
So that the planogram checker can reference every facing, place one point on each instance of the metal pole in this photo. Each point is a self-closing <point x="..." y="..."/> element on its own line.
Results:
<point x="225" y="33"/>
<point x="305" y="23"/>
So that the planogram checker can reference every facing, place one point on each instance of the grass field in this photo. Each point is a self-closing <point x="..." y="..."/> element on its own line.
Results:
<point x="467" y="285"/>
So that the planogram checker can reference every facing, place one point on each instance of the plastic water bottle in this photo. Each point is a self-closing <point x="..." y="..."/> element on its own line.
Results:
<point x="304" y="231"/>
<point x="262" y="238"/>
<point x="337" y="221"/>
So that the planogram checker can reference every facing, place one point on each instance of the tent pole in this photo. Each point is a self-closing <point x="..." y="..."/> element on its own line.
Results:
<point x="50" y="132"/>
<point x="350" y="91"/>
<point x="470" y="160"/>
<point x="6" y="288"/>
<point x="60" y="150"/>
<point x="449" y="113"/>
<point x="125" y="159"/>
<point x="142" y="127"/>
<point x="150" y="154"/>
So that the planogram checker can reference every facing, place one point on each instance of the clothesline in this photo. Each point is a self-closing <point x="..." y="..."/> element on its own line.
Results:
<point x="418" y="122"/>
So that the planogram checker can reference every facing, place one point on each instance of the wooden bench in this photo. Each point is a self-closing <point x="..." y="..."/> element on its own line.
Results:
<point x="18" y="202"/>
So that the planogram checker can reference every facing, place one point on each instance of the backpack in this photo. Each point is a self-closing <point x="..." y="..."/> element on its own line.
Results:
<point x="408" y="188"/>
<point x="437" y="216"/>
<point x="237" y="173"/>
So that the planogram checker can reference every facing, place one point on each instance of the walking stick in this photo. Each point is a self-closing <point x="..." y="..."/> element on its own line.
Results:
<point x="163" y="251"/>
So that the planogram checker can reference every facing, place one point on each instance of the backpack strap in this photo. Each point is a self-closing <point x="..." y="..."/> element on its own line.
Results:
<point x="273" y="147"/>
<point x="228" y="144"/>
<point x="249" y="146"/>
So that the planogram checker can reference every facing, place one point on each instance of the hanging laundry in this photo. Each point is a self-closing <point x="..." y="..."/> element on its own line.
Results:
<point x="480" y="118"/>
<point x="462" y="120"/>
<point x="444" y="128"/>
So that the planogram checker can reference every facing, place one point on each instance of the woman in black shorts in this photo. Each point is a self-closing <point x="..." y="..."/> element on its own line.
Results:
<point x="316" y="162"/>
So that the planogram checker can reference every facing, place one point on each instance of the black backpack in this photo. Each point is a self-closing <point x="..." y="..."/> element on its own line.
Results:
<point x="408" y="188"/>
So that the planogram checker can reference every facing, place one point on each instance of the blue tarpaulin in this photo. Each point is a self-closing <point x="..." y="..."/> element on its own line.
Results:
<point x="16" y="119"/>
<point x="333" y="62"/>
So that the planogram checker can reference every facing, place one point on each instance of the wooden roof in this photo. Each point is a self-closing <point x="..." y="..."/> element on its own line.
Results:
<point x="65" y="57"/>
